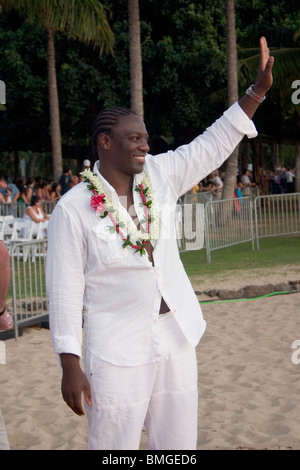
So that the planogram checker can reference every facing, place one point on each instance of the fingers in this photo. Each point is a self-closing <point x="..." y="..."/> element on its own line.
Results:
<point x="265" y="77"/>
<point x="78" y="408"/>
<point x="74" y="400"/>
<point x="75" y="403"/>
<point x="264" y="52"/>
<point x="265" y="59"/>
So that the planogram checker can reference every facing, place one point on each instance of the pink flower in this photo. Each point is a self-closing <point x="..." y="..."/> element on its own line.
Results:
<point x="98" y="203"/>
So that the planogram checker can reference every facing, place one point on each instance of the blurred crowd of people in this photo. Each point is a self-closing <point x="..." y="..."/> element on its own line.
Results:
<point x="280" y="181"/>
<point x="22" y="190"/>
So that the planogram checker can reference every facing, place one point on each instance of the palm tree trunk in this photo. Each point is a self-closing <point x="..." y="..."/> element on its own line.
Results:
<point x="54" y="108"/>
<point x="233" y="94"/>
<point x="135" y="58"/>
<point x="32" y="164"/>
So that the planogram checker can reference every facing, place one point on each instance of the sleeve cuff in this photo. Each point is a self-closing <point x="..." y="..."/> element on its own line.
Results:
<point x="239" y="119"/>
<point x="66" y="344"/>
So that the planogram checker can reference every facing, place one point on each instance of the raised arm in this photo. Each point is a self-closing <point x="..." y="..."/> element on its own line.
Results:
<point x="263" y="81"/>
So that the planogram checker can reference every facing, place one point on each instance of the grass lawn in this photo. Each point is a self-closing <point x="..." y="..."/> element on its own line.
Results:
<point x="274" y="252"/>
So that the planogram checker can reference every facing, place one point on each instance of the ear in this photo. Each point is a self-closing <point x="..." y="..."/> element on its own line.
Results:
<point x="104" y="141"/>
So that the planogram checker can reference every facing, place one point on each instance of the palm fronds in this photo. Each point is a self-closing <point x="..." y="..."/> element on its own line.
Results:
<point x="85" y="20"/>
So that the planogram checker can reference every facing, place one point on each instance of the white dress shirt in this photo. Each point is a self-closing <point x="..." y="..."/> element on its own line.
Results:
<point x="120" y="291"/>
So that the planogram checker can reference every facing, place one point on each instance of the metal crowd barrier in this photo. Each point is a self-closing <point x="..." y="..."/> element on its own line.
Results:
<point x="29" y="298"/>
<point x="17" y="209"/>
<point x="228" y="222"/>
<point x="215" y="225"/>
<point x="276" y="215"/>
<point x="233" y="221"/>
<point x="203" y="197"/>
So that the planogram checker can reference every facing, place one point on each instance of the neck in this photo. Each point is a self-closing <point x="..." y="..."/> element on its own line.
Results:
<point x="121" y="182"/>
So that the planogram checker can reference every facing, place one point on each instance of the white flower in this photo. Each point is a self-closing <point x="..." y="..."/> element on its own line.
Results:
<point x="127" y="223"/>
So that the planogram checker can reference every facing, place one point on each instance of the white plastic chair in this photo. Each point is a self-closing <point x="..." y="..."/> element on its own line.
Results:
<point x="22" y="232"/>
<point x="41" y="235"/>
<point x="2" y="228"/>
<point x="42" y="230"/>
<point x="8" y="221"/>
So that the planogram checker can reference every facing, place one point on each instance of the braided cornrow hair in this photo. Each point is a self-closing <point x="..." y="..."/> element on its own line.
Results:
<point x="105" y="120"/>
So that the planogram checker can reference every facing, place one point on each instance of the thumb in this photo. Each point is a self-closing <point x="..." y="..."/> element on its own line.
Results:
<point x="87" y="394"/>
<point x="270" y="62"/>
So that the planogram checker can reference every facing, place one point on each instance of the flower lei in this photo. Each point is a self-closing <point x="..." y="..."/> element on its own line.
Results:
<point x="104" y="207"/>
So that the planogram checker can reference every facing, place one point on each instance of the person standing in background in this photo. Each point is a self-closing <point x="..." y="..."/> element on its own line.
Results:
<point x="289" y="175"/>
<point x="247" y="183"/>
<point x="9" y="191"/>
<point x="66" y="180"/>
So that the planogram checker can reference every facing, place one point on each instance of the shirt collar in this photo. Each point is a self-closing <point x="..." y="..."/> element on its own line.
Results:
<point x="137" y="179"/>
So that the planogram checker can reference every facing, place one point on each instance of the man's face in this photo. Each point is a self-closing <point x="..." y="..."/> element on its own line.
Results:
<point x="128" y="145"/>
<point x="3" y="184"/>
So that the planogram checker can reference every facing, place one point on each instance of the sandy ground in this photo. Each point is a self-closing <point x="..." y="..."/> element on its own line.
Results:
<point x="249" y="383"/>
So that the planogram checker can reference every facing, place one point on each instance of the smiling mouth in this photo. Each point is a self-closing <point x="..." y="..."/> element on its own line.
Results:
<point x="140" y="158"/>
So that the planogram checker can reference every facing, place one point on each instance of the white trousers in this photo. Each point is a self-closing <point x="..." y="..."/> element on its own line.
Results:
<point x="163" y="396"/>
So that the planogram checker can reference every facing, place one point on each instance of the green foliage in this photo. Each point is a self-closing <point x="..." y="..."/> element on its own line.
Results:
<point x="184" y="61"/>
<point x="79" y="19"/>
<point x="184" y="72"/>
<point x="24" y="123"/>
<point x="279" y="21"/>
